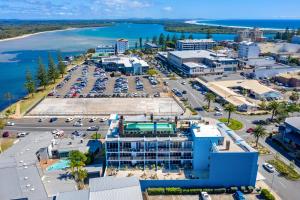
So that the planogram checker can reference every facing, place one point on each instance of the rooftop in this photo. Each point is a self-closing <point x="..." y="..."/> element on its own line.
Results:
<point x="293" y="74"/>
<point x="125" y="60"/>
<point x="294" y="122"/>
<point x="77" y="143"/>
<point x="149" y="126"/>
<point x="196" y="40"/>
<point x="199" y="54"/>
<point x="192" y="65"/>
<point x="202" y="130"/>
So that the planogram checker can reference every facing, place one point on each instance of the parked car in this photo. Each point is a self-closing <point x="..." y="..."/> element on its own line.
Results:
<point x="93" y="119"/>
<point x="78" y="124"/>
<point x="238" y="195"/>
<point x="184" y="92"/>
<point x="57" y="132"/>
<point x="218" y="109"/>
<point x="10" y="123"/>
<point x="5" y="134"/>
<point x="183" y="82"/>
<point x="40" y="120"/>
<point x="93" y="128"/>
<point x="78" y="133"/>
<point x="205" y="196"/>
<point x="69" y="119"/>
<point x="53" y="119"/>
<point x="217" y="113"/>
<point x="269" y="167"/>
<point x="250" y="130"/>
<point x="103" y="119"/>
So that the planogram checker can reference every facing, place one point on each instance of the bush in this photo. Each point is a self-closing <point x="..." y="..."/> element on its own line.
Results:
<point x="250" y="189"/>
<point x="156" y="191"/>
<point x="219" y="190"/>
<point x="266" y="194"/>
<point x="173" y="190"/>
<point x="186" y="191"/>
<point x="232" y="190"/>
<point x="208" y="190"/>
<point x="195" y="191"/>
<point x="243" y="189"/>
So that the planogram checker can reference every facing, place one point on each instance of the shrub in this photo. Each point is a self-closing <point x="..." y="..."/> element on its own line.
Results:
<point x="219" y="190"/>
<point x="243" y="189"/>
<point x="250" y="189"/>
<point x="186" y="191"/>
<point x="196" y="191"/>
<point x="232" y="190"/>
<point x="266" y="194"/>
<point x="156" y="191"/>
<point x="173" y="190"/>
<point x="208" y="190"/>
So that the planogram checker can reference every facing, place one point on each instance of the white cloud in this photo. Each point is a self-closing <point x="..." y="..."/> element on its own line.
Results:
<point x="168" y="8"/>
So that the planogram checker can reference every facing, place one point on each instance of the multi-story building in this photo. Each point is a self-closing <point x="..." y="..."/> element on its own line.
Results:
<point x="201" y="62"/>
<point x="250" y="35"/>
<point x="106" y="49"/>
<point x="290" y="132"/>
<point x="296" y="39"/>
<point x="195" y="44"/>
<point x="125" y="64"/>
<point x="121" y="46"/>
<point x="248" y="50"/>
<point x="209" y="152"/>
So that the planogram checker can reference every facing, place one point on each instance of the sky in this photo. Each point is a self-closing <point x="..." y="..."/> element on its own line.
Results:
<point x="177" y="9"/>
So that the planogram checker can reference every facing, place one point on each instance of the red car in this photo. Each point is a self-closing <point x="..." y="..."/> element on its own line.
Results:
<point x="5" y="134"/>
<point x="250" y="130"/>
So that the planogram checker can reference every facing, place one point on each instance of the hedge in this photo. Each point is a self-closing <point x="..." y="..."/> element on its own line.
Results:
<point x="266" y="194"/>
<point x="156" y="191"/>
<point x="195" y="191"/>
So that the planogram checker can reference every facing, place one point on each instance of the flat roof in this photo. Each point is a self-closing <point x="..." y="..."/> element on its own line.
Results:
<point x="293" y="121"/>
<point x="149" y="126"/>
<point x="126" y="61"/>
<point x="288" y="75"/>
<point x="198" y="54"/>
<point x="196" y="40"/>
<point x="194" y="65"/>
<point x="202" y="131"/>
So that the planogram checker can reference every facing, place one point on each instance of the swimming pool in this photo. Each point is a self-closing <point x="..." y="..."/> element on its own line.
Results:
<point x="60" y="165"/>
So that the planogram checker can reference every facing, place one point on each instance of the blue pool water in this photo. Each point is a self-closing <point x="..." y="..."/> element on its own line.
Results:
<point x="60" y="165"/>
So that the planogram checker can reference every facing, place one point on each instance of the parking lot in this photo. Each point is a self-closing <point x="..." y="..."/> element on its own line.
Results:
<point x="88" y="81"/>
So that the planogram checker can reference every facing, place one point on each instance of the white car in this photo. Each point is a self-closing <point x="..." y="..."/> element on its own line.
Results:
<point x="183" y="82"/>
<point x="78" y="124"/>
<point x="103" y="119"/>
<point x="10" y="123"/>
<point x="69" y="119"/>
<point x="218" y="113"/>
<point x="269" y="167"/>
<point x="205" y="196"/>
<point x="22" y="134"/>
<point x="57" y="132"/>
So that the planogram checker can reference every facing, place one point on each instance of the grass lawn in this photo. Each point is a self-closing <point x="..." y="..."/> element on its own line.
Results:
<point x="6" y="143"/>
<point x="286" y="170"/>
<point x="233" y="124"/>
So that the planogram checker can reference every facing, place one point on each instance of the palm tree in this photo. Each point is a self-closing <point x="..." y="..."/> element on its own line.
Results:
<point x="273" y="106"/>
<point x="258" y="132"/>
<point x="295" y="96"/>
<point x="230" y="108"/>
<point x="209" y="97"/>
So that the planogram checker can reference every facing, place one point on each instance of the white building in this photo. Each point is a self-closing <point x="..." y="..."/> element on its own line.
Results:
<point x="122" y="45"/>
<point x="196" y="44"/>
<point x="106" y="49"/>
<point x="296" y="39"/>
<point x="248" y="50"/>
<point x="251" y="35"/>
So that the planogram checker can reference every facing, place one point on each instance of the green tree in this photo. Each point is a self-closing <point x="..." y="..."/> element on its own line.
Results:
<point x="141" y="42"/>
<point x="77" y="162"/>
<point x="209" y="97"/>
<point x="42" y="77"/>
<point x="273" y="107"/>
<point x="294" y="96"/>
<point x="62" y="68"/>
<point x="191" y="37"/>
<point x="208" y="34"/>
<point x="262" y="105"/>
<point x="230" y="108"/>
<point x="91" y="50"/>
<point x="52" y="71"/>
<point x="161" y="40"/>
<point x="136" y="45"/>
<point x="174" y="39"/>
<point x="29" y="83"/>
<point x="154" y="40"/>
<point x="168" y="38"/>
<point x="259" y="132"/>
<point x="151" y="72"/>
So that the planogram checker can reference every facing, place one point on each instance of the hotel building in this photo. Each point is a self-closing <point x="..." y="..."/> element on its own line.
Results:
<point x="196" y="44"/>
<point x="121" y="46"/>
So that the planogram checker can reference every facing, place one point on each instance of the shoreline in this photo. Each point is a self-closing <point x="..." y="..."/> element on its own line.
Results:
<point x="33" y="34"/>
<point x="196" y="22"/>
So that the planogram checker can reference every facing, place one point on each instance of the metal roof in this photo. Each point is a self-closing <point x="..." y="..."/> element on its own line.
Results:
<point x="294" y="122"/>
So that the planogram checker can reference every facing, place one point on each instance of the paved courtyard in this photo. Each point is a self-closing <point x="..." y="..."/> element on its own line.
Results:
<point x="105" y="106"/>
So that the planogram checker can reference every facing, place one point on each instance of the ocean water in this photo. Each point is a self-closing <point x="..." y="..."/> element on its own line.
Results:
<point x="16" y="56"/>
<point x="261" y="23"/>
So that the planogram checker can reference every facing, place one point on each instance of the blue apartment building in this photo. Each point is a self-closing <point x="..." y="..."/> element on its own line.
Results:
<point x="290" y="131"/>
<point x="209" y="153"/>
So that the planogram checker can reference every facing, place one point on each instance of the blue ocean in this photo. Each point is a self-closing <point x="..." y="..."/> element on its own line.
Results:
<point x="260" y="23"/>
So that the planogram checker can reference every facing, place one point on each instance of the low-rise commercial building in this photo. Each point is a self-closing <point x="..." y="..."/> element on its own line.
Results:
<point x="195" y="44"/>
<point x="248" y="50"/>
<point x="106" y="49"/>
<point x="151" y="46"/>
<point x="290" y="131"/>
<point x="202" y="62"/>
<point x="290" y="79"/>
<point x="209" y="153"/>
<point x="121" y="46"/>
<point x="125" y="64"/>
